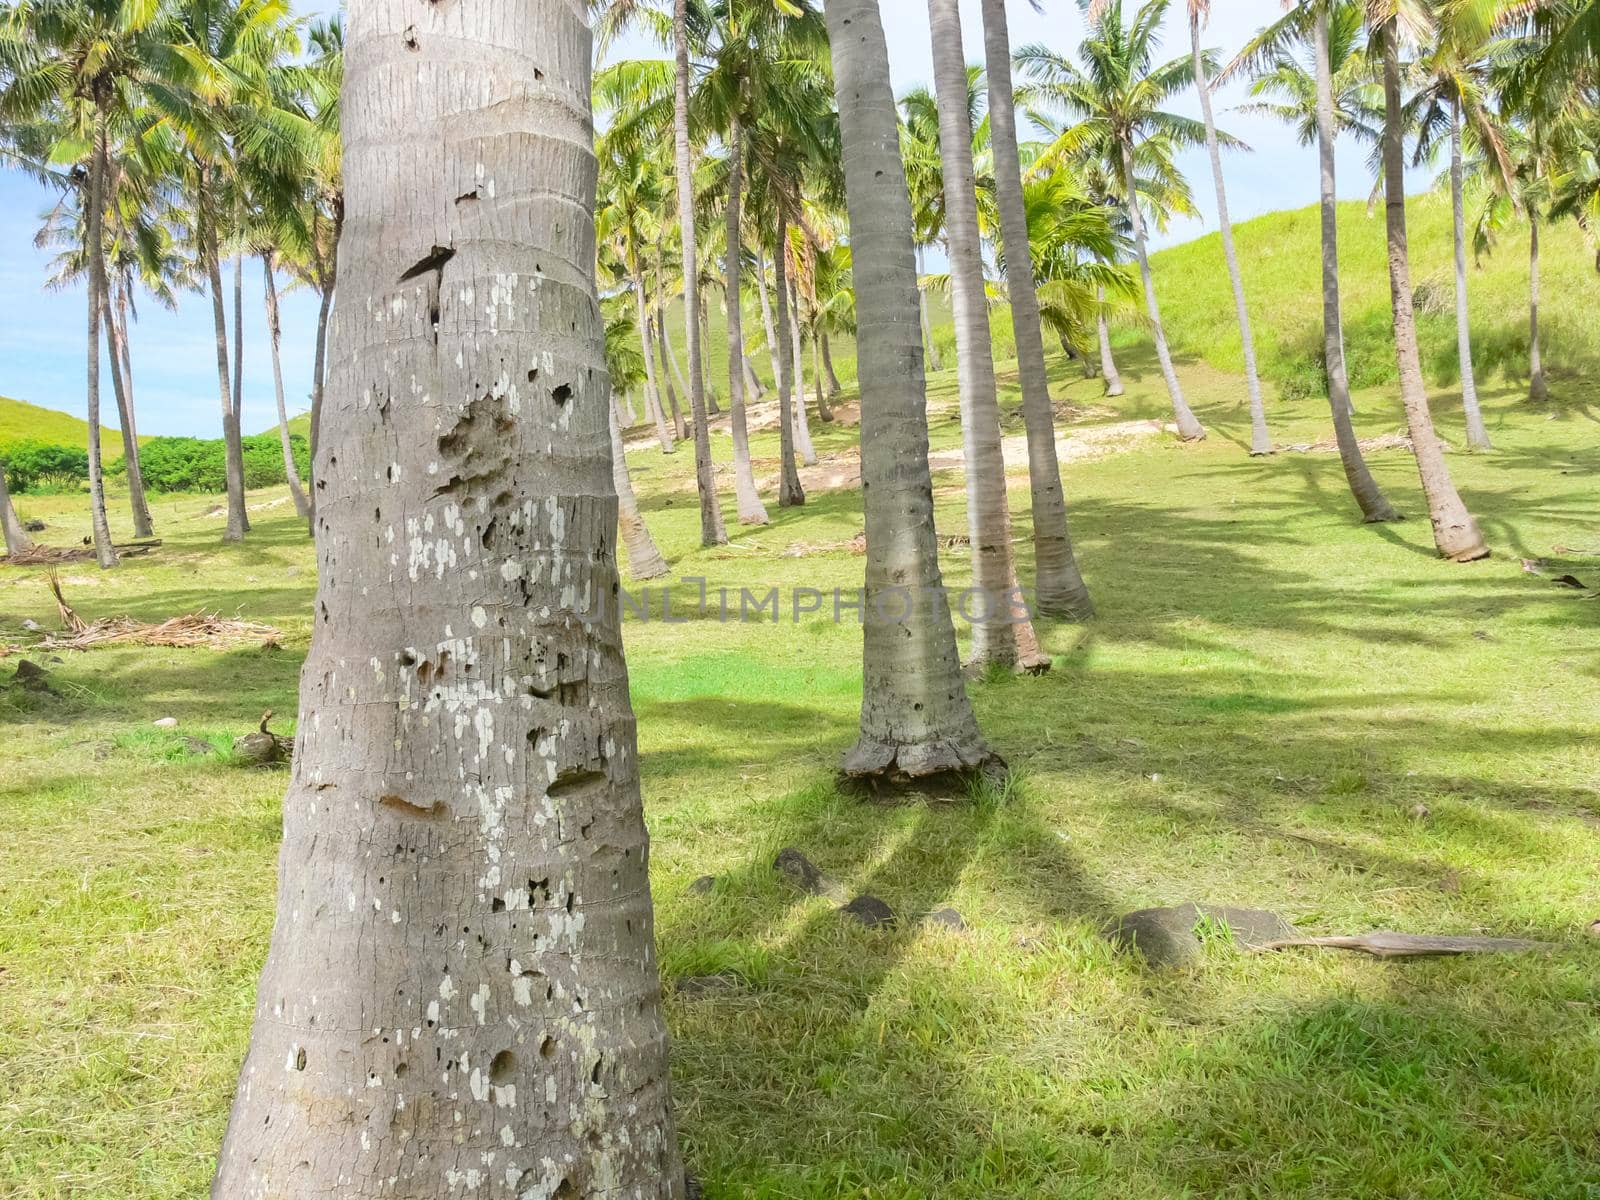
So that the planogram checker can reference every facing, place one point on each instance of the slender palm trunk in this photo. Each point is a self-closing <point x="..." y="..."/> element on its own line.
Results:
<point x="712" y="407"/>
<point x="105" y="553"/>
<point x="652" y="393"/>
<point x="916" y="719"/>
<point x="1260" y="439"/>
<point x="790" y="493"/>
<point x="1058" y="585"/>
<point x="751" y="510"/>
<point x="291" y="472"/>
<point x="835" y="388"/>
<point x="122" y="386"/>
<point x="1108" y="364"/>
<point x="1455" y="533"/>
<point x="1477" y="435"/>
<point x="1189" y="428"/>
<point x="238" y="335"/>
<point x="766" y="311"/>
<point x="16" y="537"/>
<point x="802" y="422"/>
<point x="232" y="448"/>
<point x="824" y="413"/>
<point x="668" y="368"/>
<point x="1538" y="390"/>
<point x="1002" y="632"/>
<point x="644" y="556"/>
<point x="751" y="379"/>
<point x="925" y="322"/>
<point x="1374" y="504"/>
<point x="464" y="863"/>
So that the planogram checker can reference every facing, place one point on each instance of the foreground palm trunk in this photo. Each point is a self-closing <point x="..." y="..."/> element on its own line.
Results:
<point x="1001" y="631"/>
<point x="122" y="385"/>
<point x="916" y="719"/>
<point x="16" y="537"/>
<point x="1058" y="585"/>
<point x="233" y="450"/>
<point x="751" y="510"/>
<point x="1477" y="435"/>
<point x="1189" y="428"/>
<point x="1260" y="439"/>
<point x="274" y="341"/>
<point x="790" y="493"/>
<point x="461" y="996"/>
<point x="1455" y="533"/>
<point x="1538" y="390"/>
<point x="712" y="532"/>
<point x="1374" y="505"/>
<point x="104" y="552"/>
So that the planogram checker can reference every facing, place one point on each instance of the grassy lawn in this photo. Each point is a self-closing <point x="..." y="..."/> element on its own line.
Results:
<point x="1270" y="690"/>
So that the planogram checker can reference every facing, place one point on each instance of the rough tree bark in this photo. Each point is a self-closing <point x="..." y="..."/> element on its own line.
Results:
<point x="916" y="719"/>
<point x="1189" y="428"/>
<point x="291" y="472"/>
<point x="1260" y="439"/>
<point x="1001" y="631"/>
<point x="1058" y="585"/>
<point x="1374" y="505"/>
<point x="1455" y="533"/>
<point x="327" y="276"/>
<point x="461" y="996"/>
<point x="790" y="493"/>
<point x="104" y="552"/>
<point x="233" y="450"/>
<point x="751" y="510"/>
<point x="1477" y="434"/>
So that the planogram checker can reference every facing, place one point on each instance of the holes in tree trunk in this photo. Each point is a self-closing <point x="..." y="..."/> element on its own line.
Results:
<point x="410" y="38"/>
<point x="299" y="1058"/>
<point x="503" y="1068"/>
<point x="547" y="1048"/>
<point x="562" y="394"/>
<point x="403" y="807"/>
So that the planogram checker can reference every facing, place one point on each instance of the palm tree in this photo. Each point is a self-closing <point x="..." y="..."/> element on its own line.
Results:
<point x="483" y="776"/>
<point x="269" y="270"/>
<point x="1001" y="633"/>
<point x="1116" y="96"/>
<point x="1260" y="439"/>
<point x="16" y="537"/>
<point x="916" y="719"/>
<point x="1455" y="92"/>
<point x="1058" y="584"/>
<point x="1336" y="102"/>
<point x="1455" y="533"/>
<point x="625" y="366"/>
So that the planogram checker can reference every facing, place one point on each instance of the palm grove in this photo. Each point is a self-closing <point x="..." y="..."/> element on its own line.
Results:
<point x="507" y="282"/>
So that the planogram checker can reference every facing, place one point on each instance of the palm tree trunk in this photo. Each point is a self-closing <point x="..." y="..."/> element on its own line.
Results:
<point x="1260" y="439"/>
<point x="802" y="422"/>
<point x="712" y="407"/>
<point x="464" y="850"/>
<point x="790" y="493"/>
<point x="751" y="510"/>
<point x="233" y="449"/>
<point x="105" y="553"/>
<point x="652" y="393"/>
<point x="766" y="310"/>
<point x="751" y="379"/>
<point x="1538" y="390"/>
<point x="1059" y="589"/>
<point x="1455" y="533"/>
<point x="823" y="412"/>
<point x="291" y="472"/>
<point x="16" y="537"/>
<point x="712" y="531"/>
<point x="835" y="388"/>
<point x="935" y="362"/>
<point x="1002" y="633"/>
<point x="916" y="719"/>
<point x="1374" y="504"/>
<point x="1108" y="364"/>
<point x="644" y="556"/>
<point x="122" y="386"/>
<point x="327" y="276"/>
<point x="1189" y="428"/>
<point x="1477" y="435"/>
<point x="668" y="365"/>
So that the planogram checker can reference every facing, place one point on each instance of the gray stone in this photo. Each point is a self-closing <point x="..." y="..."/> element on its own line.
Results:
<point x="945" y="918"/>
<point x="1168" y="937"/>
<point x="258" y="750"/>
<point x="704" y="985"/>
<point x="32" y="677"/>
<point x="805" y="875"/>
<point x="871" y="912"/>
<point x="702" y="886"/>
<point x="198" y="746"/>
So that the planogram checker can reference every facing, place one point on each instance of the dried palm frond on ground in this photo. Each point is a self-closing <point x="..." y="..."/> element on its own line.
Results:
<point x="40" y="555"/>
<point x="194" y="629"/>
<point x="1387" y="441"/>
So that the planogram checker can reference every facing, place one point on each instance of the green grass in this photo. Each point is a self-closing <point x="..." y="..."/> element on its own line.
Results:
<point x="21" y="421"/>
<point x="1270" y="689"/>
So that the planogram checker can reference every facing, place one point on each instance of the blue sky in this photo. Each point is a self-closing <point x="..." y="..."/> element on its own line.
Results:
<point x="43" y="338"/>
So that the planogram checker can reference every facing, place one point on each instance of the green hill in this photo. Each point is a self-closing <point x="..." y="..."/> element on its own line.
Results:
<point x="21" y="421"/>
<point x="1281" y="258"/>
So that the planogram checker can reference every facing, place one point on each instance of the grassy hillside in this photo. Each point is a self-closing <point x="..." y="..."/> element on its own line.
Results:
<point x="1281" y="257"/>
<point x="21" y="421"/>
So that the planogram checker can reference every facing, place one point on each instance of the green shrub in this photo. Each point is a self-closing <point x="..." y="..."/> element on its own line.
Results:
<point x="183" y="464"/>
<point x="33" y="466"/>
